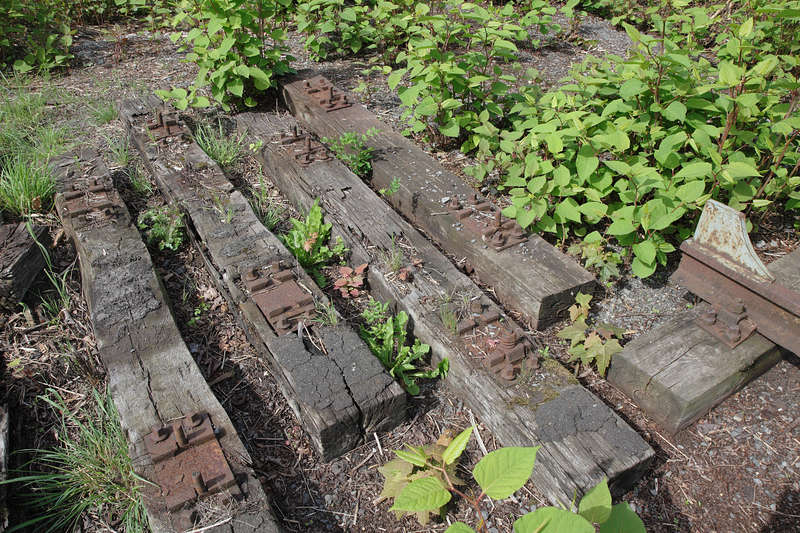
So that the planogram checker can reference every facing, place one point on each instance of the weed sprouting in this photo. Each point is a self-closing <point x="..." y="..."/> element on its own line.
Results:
<point x="164" y="226"/>
<point x="326" y="314"/>
<point x="90" y="470"/>
<point x="25" y="188"/>
<point x="351" y="148"/>
<point x="139" y="182"/>
<point x="120" y="150"/>
<point x="222" y="148"/>
<point x="268" y="210"/>
<point x="103" y="113"/>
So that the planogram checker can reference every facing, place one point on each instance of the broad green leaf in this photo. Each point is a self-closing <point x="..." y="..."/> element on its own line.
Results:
<point x="746" y="28"/>
<point x="568" y="210"/>
<point x="595" y="506"/>
<point x="593" y="211"/>
<point x="554" y="143"/>
<point x="426" y="494"/>
<point x="621" y="226"/>
<point x="622" y="520"/>
<point x="695" y="169"/>
<point x="552" y="520"/>
<point x="740" y="169"/>
<point x="645" y="250"/>
<point x="413" y="457"/>
<point x="525" y="217"/>
<point x="459" y="527"/>
<point x="631" y="88"/>
<point x="504" y="471"/>
<point x="641" y="269"/>
<point x="730" y="74"/>
<point x="690" y="192"/>
<point x="450" y="129"/>
<point x="586" y="161"/>
<point x="395" y="77"/>
<point x="675" y="111"/>
<point x="427" y="107"/>
<point x="456" y="448"/>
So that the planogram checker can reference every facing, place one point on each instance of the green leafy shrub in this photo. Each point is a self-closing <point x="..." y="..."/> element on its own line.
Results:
<point x="351" y="148"/>
<point x="597" y="256"/>
<point x="34" y="35"/>
<point x="386" y="337"/>
<point x="89" y="472"/>
<point x="164" y="226"/>
<point x="422" y="480"/>
<point x="308" y="242"/>
<point x="457" y="67"/>
<point x="636" y="146"/>
<point x="336" y="27"/>
<point x="237" y="46"/>
<point x="25" y="187"/>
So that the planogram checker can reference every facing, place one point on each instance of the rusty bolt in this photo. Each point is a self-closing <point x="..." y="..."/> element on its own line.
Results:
<point x="197" y="419"/>
<point x="732" y="333"/>
<point x="738" y="307"/>
<point x="199" y="483"/>
<point x="476" y="307"/>
<point x="709" y="317"/>
<point x="162" y="434"/>
<point x="308" y="144"/>
<point x="498" y="239"/>
<point x="498" y="219"/>
<point x="454" y="203"/>
<point x="473" y="199"/>
<point x="507" y="372"/>
<point x="251" y="274"/>
<point x="180" y="436"/>
<point x="508" y="339"/>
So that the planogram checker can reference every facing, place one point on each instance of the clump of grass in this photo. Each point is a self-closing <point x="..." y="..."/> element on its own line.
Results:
<point x="268" y="210"/>
<point x="326" y="314"/>
<point x="25" y="187"/>
<point x="222" y="148"/>
<point x="60" y="299"/>
<point x="139" y="182"/>
<point x="103" y="113"/>
<point x="90" y="472"/>
<point x="394" y="258"/>
<point x="120" y="150"/>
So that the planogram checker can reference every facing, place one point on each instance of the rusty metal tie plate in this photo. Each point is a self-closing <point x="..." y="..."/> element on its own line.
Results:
<point x="503" y="348"/>
<point x="188" y="461"/>
<point x="720" y="266"/>
<point x="325" y="94"/>
<point x="94" y="201"/>
<point x="165" y="124"/>
<point x="279" y="296"/>
<point x="485" y="221"/>
<point x="303" y="148"/>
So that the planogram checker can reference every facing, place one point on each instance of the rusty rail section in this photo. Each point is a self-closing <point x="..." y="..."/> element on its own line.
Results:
<point x="720" y="266"/>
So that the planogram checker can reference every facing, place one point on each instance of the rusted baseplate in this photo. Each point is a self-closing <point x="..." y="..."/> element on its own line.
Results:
<point x="502" y="347"/>
<point x="720" y="266"/>
<point x="325" y="94"/>
<point x="487" y="222"/>
<point x="303" y="148"/>
<point x="279" y="296"/>
<point x="91" y="202"/>
<point x="189" y="462"/>
<point x="165" y="124"/>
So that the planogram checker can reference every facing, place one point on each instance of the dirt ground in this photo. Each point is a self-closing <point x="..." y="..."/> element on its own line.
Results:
<point x="736" y="469"/>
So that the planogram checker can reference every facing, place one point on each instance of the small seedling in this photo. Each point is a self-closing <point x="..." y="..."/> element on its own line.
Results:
<point x="201" y="308"/>
<point x="326" y="314"/>
<point x="103" y="113"/>
<point x="590" y="343"/>
<point x="164" y="226"/>
<point x="139" y="182"/>
<point x="351" y="148"/>
<point x="308" y="239"/>
<point x="394" y="186"/>
<point x="386" y="337"/>
<point x="267" y="208"/>
<point x="594" y="251"/>
<point x="224" y="208"/>
<point x="351" y="281"/>
<point x="448" y="318"/>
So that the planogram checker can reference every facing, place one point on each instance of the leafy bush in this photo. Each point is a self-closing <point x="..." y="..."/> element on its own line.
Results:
<point x="237" y="46"/>
<point x="340" y="28"/>
<point x="590" y="344"/>
<point x="34" y="35"/>
<point x="636" y="146"/>
<point x="422" y="479"/>
<point x="307" y="240"/>
<point x="164" y="226"/>
<point x="457" y="66"/>
<point x="386" y="337"/>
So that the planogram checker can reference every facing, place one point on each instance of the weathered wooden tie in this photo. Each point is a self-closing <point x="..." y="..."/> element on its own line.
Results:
<point x="21" y="261"/>
<point x="583" y="440"/>
<point x="341" y="395"/>
<point x="153" y="379"/>
<point x="526" y="272"/>
<point x="679" y="371"/>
